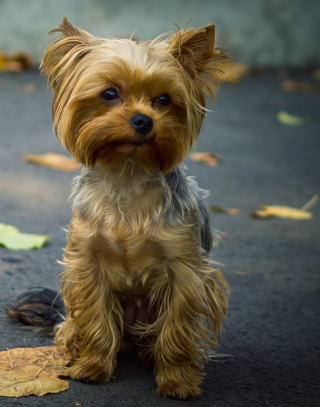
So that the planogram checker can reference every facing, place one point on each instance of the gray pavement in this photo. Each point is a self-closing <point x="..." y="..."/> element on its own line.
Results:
<point x="272" y="266"/>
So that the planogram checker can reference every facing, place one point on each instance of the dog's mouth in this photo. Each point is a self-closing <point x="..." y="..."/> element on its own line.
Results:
<point x="142" y="140"/>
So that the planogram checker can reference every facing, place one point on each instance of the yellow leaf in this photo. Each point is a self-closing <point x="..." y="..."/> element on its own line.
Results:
<point x="26" y="371"/>
<point x="290" y="120"/>
<point x="208" y="158"/>
<point x="24" y="383"/>
<point x="316" y="74"/>
<point x="220" y="209"/>
<point x="281" y="212"/>
<point x="30" y="88"/>
<point x="234" y="72"/>
<point x="54" y="161"/>
<point x="15" y="61"/>
<point x="300" y="87"/>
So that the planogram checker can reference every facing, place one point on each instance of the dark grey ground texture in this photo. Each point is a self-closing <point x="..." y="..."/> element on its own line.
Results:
<point x="272" y="266"/>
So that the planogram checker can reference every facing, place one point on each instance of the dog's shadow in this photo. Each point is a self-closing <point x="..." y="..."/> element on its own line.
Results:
<point x="129" y="366"/>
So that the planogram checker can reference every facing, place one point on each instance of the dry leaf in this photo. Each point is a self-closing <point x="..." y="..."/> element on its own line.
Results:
<point x="316" y="74"/>
<point x="26" y="382"/>
<point x="53" y="161"/>
<point x="30" y="88"/>
<point x="234" y="72"/>
<point x="15" y="61"/>
<point x="220" y="209"/>
<point x="26" y="371"/>
<point x="290" y="120"/>
<point x="281" y="212"/>
<point x="208" y="158"/>
<point x="302" y="87"/>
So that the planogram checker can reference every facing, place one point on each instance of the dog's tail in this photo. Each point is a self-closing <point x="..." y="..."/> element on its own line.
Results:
<point x="39" y="308"/>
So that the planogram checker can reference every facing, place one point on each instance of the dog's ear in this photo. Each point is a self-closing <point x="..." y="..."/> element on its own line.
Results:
<point x="64" y="54"/>
<point x="196" y="51"/>
<point x="69" y="30"/>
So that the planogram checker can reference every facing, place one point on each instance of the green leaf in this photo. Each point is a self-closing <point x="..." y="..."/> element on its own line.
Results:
<point x="290" y="120"/>
<point x="8" y="229"/>
<point x="12" y="239"/>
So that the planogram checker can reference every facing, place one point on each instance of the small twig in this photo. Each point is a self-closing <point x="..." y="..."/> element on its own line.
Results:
<point x="10" y="359"/>
<point x="221" y="355"/>
<point x="36" y="376"/>
<point x="310" y="203"/>
<point x="26" y="380"/>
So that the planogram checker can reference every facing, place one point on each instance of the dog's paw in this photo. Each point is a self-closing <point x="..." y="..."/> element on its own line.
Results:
<point x="88" y="374"/>
<point x="176" y="384"/>
<point x="178" y="390"/>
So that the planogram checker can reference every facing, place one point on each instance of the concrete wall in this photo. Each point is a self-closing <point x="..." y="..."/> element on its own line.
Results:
<point x="258" y="32"/>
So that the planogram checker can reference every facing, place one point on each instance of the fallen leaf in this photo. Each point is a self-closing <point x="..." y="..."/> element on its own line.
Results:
<point x="290" y="120"/>
<point x="234" y="72"/>
<point x="302" y="87"/>
<point x="15" y="61"/>
<point x="220" y="209"/>
<point x="7" y="229"/>
<point x="30" y="88"/>
<point x="54" y="161"/>
<point x="208" y="158"/>
<point x="56" y="357"/>
<point x="316" y="74"/>
<point x="25" y="383"/>
<point x="23" y="241"/>
<point x="26" y="371"/>
<point x="12" y="239"/>
<point x="281" y="212"/>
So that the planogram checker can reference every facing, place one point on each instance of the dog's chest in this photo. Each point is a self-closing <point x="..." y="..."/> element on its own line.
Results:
<point x="125" y="230"/>
<point x="134" y="227"/>
<point x="134" y="251"/>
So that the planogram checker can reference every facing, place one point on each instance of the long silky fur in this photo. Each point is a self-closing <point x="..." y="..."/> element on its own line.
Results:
<point x="140" y="236"/>
<point x="39" y="308"/>
<point x="187" y="296"/>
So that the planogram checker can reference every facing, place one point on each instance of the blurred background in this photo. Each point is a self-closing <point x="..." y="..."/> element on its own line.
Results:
<point x="265" y="33"/>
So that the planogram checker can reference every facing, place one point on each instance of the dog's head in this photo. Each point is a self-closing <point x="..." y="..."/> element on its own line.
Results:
<point x="120" y="101"/>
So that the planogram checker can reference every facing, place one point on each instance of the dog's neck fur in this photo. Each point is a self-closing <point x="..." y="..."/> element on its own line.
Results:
<point x="127" y="192"/>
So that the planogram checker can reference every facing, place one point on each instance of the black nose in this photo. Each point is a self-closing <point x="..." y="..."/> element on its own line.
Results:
<point x="142" y="123"/>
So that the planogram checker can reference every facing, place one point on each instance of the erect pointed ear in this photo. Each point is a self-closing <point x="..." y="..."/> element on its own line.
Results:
<point x="196" y="51"/>
<point x="72" y="45"/>
<point x="69" y="30"/>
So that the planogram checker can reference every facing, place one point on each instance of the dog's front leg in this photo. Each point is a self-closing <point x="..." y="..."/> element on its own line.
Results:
<point x="195" y="296"/>
<point x="177" y="355"/>
<point x="93" y="327"/>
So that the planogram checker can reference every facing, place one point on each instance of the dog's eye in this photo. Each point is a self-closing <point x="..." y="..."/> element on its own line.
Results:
<point x="109" y="95"/>
<point x="163" y="100"/>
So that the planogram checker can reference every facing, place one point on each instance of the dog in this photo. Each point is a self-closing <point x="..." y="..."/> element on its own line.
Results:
<point x="136" y="270"/>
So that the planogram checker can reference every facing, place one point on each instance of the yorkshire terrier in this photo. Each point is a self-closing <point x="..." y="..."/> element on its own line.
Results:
<point x="135" y="264"/>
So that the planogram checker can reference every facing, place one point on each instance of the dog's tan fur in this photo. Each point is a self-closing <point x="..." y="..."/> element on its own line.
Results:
<point x="134" y="265"/>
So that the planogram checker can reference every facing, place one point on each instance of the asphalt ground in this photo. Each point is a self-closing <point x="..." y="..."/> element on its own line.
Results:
<point x="272" y="266"/>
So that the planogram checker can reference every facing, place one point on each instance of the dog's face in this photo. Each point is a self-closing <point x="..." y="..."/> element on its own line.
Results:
<point x="119" y="101"/>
